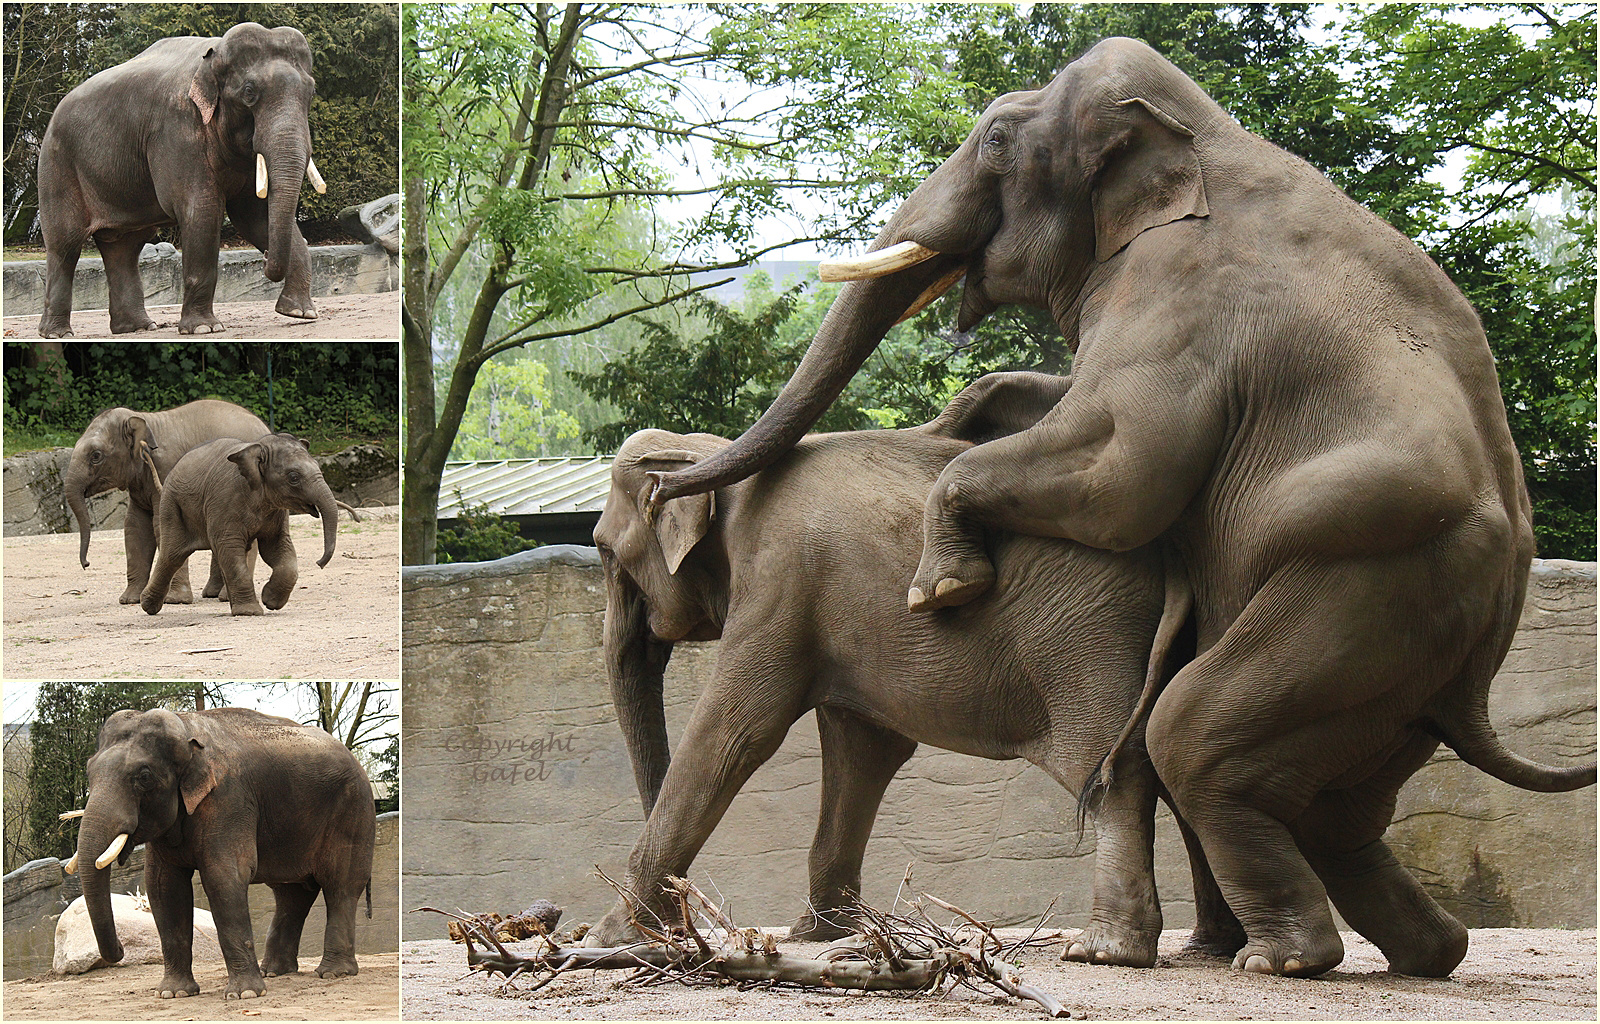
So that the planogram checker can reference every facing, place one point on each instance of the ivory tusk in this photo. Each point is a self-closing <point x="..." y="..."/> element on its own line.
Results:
<point x="69" y="815"/>
<point x="875" y="264"/>
<point x="71" y="866"/>
<point x="261" y="176"/>
<point x="111" y="851"/>
<point x="933" y="291"/>
<point x="315" y="178"/>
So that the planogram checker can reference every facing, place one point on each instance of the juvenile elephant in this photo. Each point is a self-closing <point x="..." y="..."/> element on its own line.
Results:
<point x="188" y="130"/>
<point x="796" y="571"/>
<point x="117" y="452"/>
<point x="1291" y="395"/>
<point x="240" y="797"/>
<point x="229" y="494"/>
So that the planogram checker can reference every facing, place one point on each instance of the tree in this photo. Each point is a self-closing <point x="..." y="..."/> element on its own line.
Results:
<point x="510" y="415"/>
<point x="534" y="132"/>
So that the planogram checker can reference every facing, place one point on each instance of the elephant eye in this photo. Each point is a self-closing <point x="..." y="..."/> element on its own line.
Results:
<point x="294" y="476"/>
<point x="250" y="94"/>
<point x="143" y="778"/>
<point x="96" y="456"/>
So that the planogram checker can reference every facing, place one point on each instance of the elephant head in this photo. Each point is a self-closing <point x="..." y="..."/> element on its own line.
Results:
<point x="149" y="770"/>
<point x="655" y="594"/>
<point x="109" y="456"/>
<point x="255" y="88"/>
<point x="1049" y="184"/>
<point x="281" y="474"/>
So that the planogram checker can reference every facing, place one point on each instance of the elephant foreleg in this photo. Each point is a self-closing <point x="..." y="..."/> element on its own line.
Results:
<point x="201" y="230"/>
<point x="227" y="885"/>
<point x="124" y="286"/>
<point x="1217" y="932"/>
<point x="171" y="892"/>
<point x="294" y="900"/>
<point x="859" y="760"/>
<point x="277" y="550"/>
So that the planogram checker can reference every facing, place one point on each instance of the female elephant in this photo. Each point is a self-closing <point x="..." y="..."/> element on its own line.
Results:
<point x="1292" y="395"/>
<point x="188" y="130"/>
<point x="795" y="570"/>
<point x="239" y="797"/>
<point x="229" y="494"/>
<point x="119" y="450"/>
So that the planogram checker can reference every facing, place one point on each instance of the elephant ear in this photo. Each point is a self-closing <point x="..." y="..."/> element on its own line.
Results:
<point x="1149" y="176"/>
<point x="682" y="522"/>
<point x="200" y="778"/>
<point x="136" y="430"/>
<point x="249" y="456"/>
<point x="203" y="88"/>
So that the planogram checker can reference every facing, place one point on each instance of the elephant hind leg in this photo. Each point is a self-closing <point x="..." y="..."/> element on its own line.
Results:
<point x="339" y="939"/>
<point x="277" y="550"/>
<point x="859" y="760"/>
<point x="1341" y="834"/>
<point x="1217" y="932"/>
<point x="123" y="283"/>
<point x="294" y="900"/>
<point x="1125" y="924"/>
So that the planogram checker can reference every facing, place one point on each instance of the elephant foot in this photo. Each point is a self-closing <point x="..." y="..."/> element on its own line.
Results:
<point x="944" y="582"/>
<point x="1213" y="944"/>
<point x="615" y="929"/>
<point x="55" y="326"/>
<point x="218" y="591"/>
<point x="150" y="603"/>
<point x="274" y="600"/>
<point x="200" y="323"/>
<point x="273" y="967"/>
<point x="244" y="988"/>
<point x="337" y="967"/>
<point x="300" y="309"/>
<point x="1433" y="951"/>
<point x="120" y="326"/>
<point x="242" y="608"/>
<point x="824" y="926"/>
<point x="176" y="595"/>
<point x="178" y="986"/>
<point x="132" y="594"/>
<point x="1305" y="958"/>
<point x="1101" y="944"/>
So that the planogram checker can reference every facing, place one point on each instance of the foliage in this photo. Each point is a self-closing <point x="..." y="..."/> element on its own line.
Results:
<point x="510" y="414"/>
<point x="389" y="775"/>
<point x="354" y="118"/>
<point x="64" y="735"/>
<point x="315" y="388"/>
<point x="480" y="535"/>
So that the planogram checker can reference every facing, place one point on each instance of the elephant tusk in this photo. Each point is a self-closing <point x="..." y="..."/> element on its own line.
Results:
<point x="111" y="851"/>
<point x="875" y="264"/>
<point x="261" y="176"/>
<point x="315" y="178"/>
<point x="933" y="291"/>
<point x="69" y="815"/>
<point x="71" y="866"/>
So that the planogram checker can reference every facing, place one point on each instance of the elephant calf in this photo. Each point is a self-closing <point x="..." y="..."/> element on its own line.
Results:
<point x="799" y="571"/>
<point x="229" y="493"/>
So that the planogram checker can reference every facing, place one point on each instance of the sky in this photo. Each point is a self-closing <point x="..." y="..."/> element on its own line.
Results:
<point x="276" y="699"/>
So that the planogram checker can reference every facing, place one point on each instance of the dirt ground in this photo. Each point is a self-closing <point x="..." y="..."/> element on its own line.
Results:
<point x="342" y="622"/>
<point x="1509" y="974"/>
<point x="338" y="316"/>
<point x="128" y="993"/>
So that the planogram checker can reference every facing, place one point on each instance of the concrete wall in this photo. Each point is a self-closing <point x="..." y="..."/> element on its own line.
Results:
<point x="37" y="893"/>
<point x="335" y="270"/>
<point x="517" y="782"/>
<point x="361" y="475"/>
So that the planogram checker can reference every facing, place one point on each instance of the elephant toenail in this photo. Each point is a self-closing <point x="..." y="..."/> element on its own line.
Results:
<point x="946" y="585"/>
<point x="1258" y="964"/>
<point x="1102" y="955"/>
<point x="1292" y="965"/>
<point x="248" y="994"/>
<point x="916" y="598"/>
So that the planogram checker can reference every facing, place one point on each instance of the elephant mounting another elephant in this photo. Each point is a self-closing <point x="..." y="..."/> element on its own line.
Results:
<point x="233" y="497"/>
<point x="238" y="797"/>
<point x="1292" y="398"/>
<point x="190" y="130"/>
<point x="125" y="449"/>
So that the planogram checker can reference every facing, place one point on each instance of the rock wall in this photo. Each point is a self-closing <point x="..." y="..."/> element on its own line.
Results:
<point x="363" y="475"/>
<point x="36" y="894"/>
<point x="518" y="784"/>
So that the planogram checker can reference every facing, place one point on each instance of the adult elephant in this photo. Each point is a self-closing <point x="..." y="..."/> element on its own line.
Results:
<point x="796" y="570"/>
<point x="119" y="450"/>
<point x="190" y="129"/>
<point x="1290" y="393"/>
<point x="240" y="797"/>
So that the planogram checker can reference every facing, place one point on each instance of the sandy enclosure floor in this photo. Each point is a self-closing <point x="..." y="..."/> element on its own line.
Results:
<point x="128" y="993"/>
<point x="342" y="622"/>
<point x="338" y="316"/>
<point x="1509" y="974"/>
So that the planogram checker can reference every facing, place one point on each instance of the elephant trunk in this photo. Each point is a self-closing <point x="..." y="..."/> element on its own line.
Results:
<point x="635" y="663"/>
<point x="328" y="510"/>
<point x="856" y="322"/>
<point x="95" y="836"/>
<point x="286" y="152"/>
<point x="75" y="486"/>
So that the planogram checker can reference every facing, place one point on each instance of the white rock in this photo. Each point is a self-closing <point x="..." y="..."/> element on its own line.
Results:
<point x="76" y="950"/>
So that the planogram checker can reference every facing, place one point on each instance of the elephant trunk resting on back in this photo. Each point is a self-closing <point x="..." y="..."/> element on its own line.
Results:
<point x="1281" y="388"/>
<point x="796" y="570"/>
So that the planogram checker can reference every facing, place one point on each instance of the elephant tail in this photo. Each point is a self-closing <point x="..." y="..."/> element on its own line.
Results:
<point x="369" y="899"/>
<point x="1179" y="601"/>
<point x="1471" y="736"/>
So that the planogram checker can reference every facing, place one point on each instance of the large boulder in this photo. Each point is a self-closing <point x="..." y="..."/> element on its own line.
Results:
<point x="76" y="951"/>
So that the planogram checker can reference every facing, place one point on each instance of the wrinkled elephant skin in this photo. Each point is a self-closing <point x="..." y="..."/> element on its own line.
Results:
<point x="1289" y="393"/>
<point x="179" y="137"/>
<point x="797" y="571"/>
<point x="238" y="797"/>
<point x="233" y="497"/>
<point x="118" y="451"/>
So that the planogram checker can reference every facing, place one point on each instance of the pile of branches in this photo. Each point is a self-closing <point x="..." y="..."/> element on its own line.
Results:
<point x="891" y="952"/>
